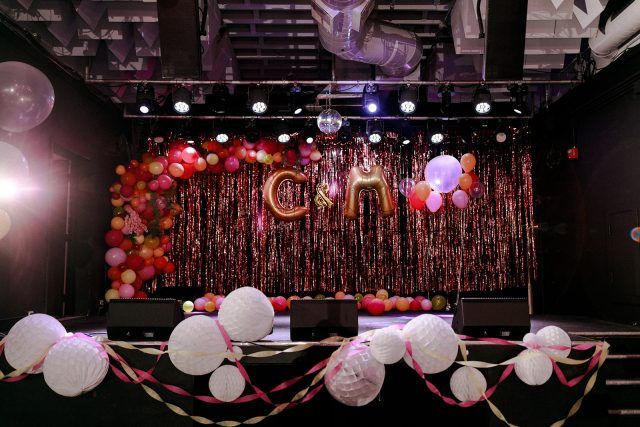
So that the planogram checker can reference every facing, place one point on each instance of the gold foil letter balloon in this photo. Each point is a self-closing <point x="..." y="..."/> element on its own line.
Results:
<point x="374" y="180"/>
<point x="270" y="194"/>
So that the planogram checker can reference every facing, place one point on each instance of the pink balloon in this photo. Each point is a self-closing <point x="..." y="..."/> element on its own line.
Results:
<point x="189" y="155"/>
<point x="304" y="161"/>
<point x="231" y="164"/>
<point x="115" y="256"/>
<point x="305" y="150"/>
<point x="153" y="185"/>
<point x="175" y="156"/>
<point x="460" y="198"/>
<point x="147" y="272"/>
<point x="126" y="290"/>
<point x="199" y="304"/>
<point x="434" y="201"/>
<point x="426" y="304"/>
<point x="164" y="182"/>
<point x="176" y="170"/>
<point x="163" y="161"/>
<point x="219" y="301"/>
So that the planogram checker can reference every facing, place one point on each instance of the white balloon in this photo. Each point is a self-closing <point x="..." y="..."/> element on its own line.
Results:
<point x="5" y="223"/>
<point x="533" y="367"/>
<point x="468" y="383"/>
<point x="13" y="163"/>
<point x="359" y="378"/>
<point x="196" y="345"/>
<point x="442" y="173"/>
<point x="30" y="339"/>
<point x="75" y="366"/>
<point x="551" y="336"/>
<point x="434" y="345"/>
<point x="26" y="96"/>
<point x="387" y="345"/>
<point x="246" y="314"/>
<point x="226" y="383"/>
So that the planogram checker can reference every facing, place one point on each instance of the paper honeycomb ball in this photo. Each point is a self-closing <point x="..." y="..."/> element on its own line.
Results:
<point x="467" y="383"/>
<point x="552" y="336"/>
<point x="354" y="377"/>
<point x="387" y="345"/>
<point x="434" y="345"/>
<point x="226" y="383"/>
<point x="29" y="341"/>
<point x="75" y="366"/>
<point x="196" y="345"/>
<point x="533" y="367"/>
<point x="246" y="314"/>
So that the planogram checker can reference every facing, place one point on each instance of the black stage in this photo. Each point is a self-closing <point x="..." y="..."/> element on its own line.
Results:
<point x="404" y="399"/>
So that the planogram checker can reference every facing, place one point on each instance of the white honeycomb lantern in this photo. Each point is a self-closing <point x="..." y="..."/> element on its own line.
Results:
<point x="196" y="345"/>
<point x="354" y="377"/>
<point x="226" y="383"/>
<point x="468" y="384"/>
<point x="554" y="336"/>
<point x="75" y="366"/>
<point x="246" y="314"/>
<point x="533" y="367"/>
<point x="387" y="345"/>
<point x="434" y="345"/>
<point x="30" y="339"/>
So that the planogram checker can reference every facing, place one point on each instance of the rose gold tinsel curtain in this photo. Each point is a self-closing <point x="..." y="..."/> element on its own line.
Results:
<point x="226" y="239"/>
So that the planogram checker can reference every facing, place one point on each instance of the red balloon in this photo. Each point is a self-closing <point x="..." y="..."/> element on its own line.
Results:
<point x="175" y="156"/>
<point x="415" y="305"/>
<point x="113" y="238"/>
<point x="415" y="201"/>
<point x="126" y="191"/>
<point x="291" y="157"/>
<point x="114" y="273"/>
<point x="189" y="155"/>
<point x="214" y="147"/>
<point x="375" y="306"/>
<point x="126" y="245"/>
<point x="217" y="168"/>
<point x="251" y="156"/>
<point x="135" y="262"/>
<point x="231" y="164"/>
<point x="169" y="268"/>
<point x="128" y="178"/>
<point x="148" y="213"/>
<point x="223" y="153"/>
<point x="160" y="263"/>
<point x="474" y="177"/>
<point x="137" y="284"/>
<point x="189" y="170"/>
<point x="279" y="303"/>
<point x="140" y="294"/>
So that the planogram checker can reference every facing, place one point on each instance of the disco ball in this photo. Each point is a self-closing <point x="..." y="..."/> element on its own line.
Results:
<point x="329" y="121"/>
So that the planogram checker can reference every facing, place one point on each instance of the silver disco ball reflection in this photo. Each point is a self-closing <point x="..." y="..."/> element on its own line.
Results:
<point x="329" y="121"/>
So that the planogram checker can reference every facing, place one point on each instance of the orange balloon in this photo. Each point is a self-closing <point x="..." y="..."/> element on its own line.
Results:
<point x="292" y="297"/>
<point x="166" y="223"/>
<point x="340" y="295"/>
<point x="388" y="305"/>
<point x="201" y="164"/>
<point x="465" y="181"/>
<point x="382" y="294"/>
<point x="158" y="252"/>
<point x="359" y="181"/>
<point x="270" y="194"/>
<point x="210" y="306"/>
<point x="145" y="252"/>
<point x="210" y="296"/>
<point x="402" y="304"/>
<point x="117" y="202"/>
<point x="468" y="162"/>
<point x="422" y="190"/>
<point x="117" y="223"/>
<point x="152" y="242"/>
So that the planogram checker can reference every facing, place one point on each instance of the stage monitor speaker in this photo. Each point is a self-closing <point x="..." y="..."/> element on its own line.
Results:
<point x="314" y="320"/>
<point x="142" y="319"/>
<point x="504" y="39"/>
<point x="492" y="317"/>
<point x="180" y="46"/>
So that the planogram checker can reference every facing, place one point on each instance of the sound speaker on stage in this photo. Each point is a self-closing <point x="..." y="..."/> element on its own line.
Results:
<point x="314" y="320"/>
<point x="142" y="319"/>
<point x="492" y="317"/>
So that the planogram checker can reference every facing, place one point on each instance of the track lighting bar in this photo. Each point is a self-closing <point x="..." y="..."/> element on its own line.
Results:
<point x="331" y="82"/>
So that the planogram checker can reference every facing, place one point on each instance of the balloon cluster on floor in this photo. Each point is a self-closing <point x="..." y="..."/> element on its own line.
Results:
<point x="442" y="175"/>
<point x="375" y="304"/>
<point x="353" y="374"/>
<point x="143" y="210"/>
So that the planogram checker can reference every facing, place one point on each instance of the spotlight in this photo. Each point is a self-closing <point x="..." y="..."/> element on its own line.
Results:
<point x="218" y="100"/>
<point x="482" y="100"/>
<point x="309" y="132"/>
<point x="408" y="99"/>
<point x="518" y="96"/>
<point x="344" y="134"/>
<point x="370" y="98"/>
<point x="222" y="136"/>
<point x="406" y="134"/>
<point x="282" y="132"/>
<point x="501" y="133"/>
<point x="445" y="94"/>
<point x="295" y="100"/>
<point x="258" y="100"/>
<point x="145" y="98"/>
<point x="375" y="131"/>
<point x="252" y="134"/>
<point x="181" y="98"/>
<point x="437" y="134"/>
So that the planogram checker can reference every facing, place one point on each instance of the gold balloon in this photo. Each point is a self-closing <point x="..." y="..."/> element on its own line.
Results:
<point x="270" y="194"/>
<point x="322" y="200"/>
<point x="468" y="162"/>
<point x="374" y="180"/>
<point x="465" y="180"/>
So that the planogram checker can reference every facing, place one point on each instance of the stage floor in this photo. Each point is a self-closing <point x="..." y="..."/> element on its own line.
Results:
<point x="576" y="326"/>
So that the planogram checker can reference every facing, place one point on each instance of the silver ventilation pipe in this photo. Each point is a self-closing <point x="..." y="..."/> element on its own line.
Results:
<point x="346" y="31"/>
<point x="620" y="32"/>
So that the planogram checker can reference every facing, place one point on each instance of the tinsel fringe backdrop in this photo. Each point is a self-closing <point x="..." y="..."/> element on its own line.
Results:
<point x="225" y="238"/>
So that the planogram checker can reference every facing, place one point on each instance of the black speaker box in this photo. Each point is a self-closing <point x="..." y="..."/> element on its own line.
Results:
<point x="492" y="317"/>
<point x="179" y="39"/>
<point x="504" y="39"/>
<point x="142" y="319"/>
<point x="314" y="320"/>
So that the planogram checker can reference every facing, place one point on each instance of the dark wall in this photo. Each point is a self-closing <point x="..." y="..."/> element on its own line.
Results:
<point x="76" y="145"/>
<point x="586" y="208"/>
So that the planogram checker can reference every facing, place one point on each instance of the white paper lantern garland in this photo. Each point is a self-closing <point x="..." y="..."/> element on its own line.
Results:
<point x="196" y="345"/>
<point x="468" y="384"/>
<point x="533" y="367"/>
<point x="434" y="345"/>
<point x="226" y="383"/>
<point x="246" y="314"/>
<point x="550" y="336"/>
<point x="388" y="345"/>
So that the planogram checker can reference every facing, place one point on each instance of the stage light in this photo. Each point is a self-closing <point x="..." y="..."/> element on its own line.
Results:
<point x="222" y="136"/>
<point x="375" y="131"/>
<point x="282" y="132"/>
<point x="436" y="134"/>
<point x="408" y="99"/>
<point x="370" y="98"/>
<point x="445" y="95"/>
<point x="258" y="100"/>
<point x="309" y="132"/>
<point x="501" y="133"/>
<point x="482" y="100"/>
<point x="345" y="134"/>
<point x="296" y="103"/>
<point x="251" y="133"/>
<point x="145" y="98"/>
<point x="181" y="98"/>
<point x="406" y="134"/>
<point x="518" y="96"/>
<point x="218" y="100"/>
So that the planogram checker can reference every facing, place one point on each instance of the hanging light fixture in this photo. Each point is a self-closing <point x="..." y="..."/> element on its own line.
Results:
<point x="370" y="98"/>
<point x="375" y="131"/>
<point x="181" y="98"/>
<point x="406" y="133"/>
<point x="218" y="100"/>
<point x="282" y="131"/>
<point x="436" y="135"/>
<point x="408" y="99"/>
<point x="145" y="98"/>
<point x="482" y="100"/>
<point x="296" y="103"/>
<point x="445" y="95"/>
<point x="518" y="97"/>
<point x="309" y="132"/>
<point x="258" y="101"/>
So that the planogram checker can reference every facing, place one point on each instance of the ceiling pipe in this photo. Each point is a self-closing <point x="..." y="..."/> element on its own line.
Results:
<point x="619" y="33"/>
<point x="278" y="117"/>
<point x="329" y="82"/>
<point x="346" y="31"/>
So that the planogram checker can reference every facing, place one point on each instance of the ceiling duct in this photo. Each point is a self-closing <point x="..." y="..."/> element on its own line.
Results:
<point x="346" y="31"/>
<point x="619" y="33"/>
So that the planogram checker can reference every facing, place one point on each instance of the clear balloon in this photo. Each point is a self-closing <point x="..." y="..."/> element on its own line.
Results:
<point x="26" y="96"/>
<point x="406" y="185"/>
<point x="13" y="163"/>
<point x="329" y="121"/>
<point x="476" y="190"/>
<point x="442" y="173"/>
